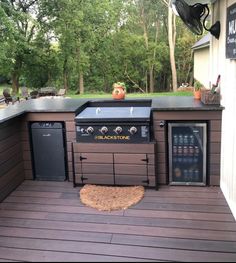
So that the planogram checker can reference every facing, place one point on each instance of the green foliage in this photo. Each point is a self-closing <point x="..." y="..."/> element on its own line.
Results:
<point x="60" y="42"/>
<point x="197" y="85"/>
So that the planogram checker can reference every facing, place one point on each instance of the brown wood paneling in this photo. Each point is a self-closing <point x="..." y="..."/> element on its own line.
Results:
<point x="187" y="115"/>
<point x="122" y="179"/>
<point x="10" y="163"/>
<point x="215" y="147"/>
<point x="11" y="180"/>
<point x="215" y="125"/>
<point x="214" y="158"/>
<point x="151" y="159"/>
<point x="49" y="116"/>
<point x="161" y="168"/>
<point x="112" y="147"/>
<point x="16" y="170"/>
<point x="25" y="145"/>
<point x="25" y="136"/>
<point x="70" y="136"/>
<point x="131" y="169"/>
<point x="10" y="186"/>
<point x="89" y="168"/>
<point x="28" y="174"/>
<point x="94" y="157"/>
<point x="9" y="129"/>
<point x="130" y="158"/>
<point x="214" y="169"/>
<point x="27" y="155"/>
<point x="27" y="165"/>
<point x="134" y="158"/>
<point x="70" y="176"/>
<point x="95" y="178"/>
<point x="70" y="126"/>
<point x="68" y="145"/>
<point x="161" y="157"/>
<point x="70" y="166"/>
<point x="161" y="146"/>
<point x="8" y="142"/>
<point x="160" y="136"/>
<point x="215" y="136"/>
<point x="162" y="178"/>
<point x="9" y="153"/>
<point x="214" y="180"/>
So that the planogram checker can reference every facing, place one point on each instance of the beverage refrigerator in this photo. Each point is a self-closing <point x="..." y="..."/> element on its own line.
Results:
<point x="187" y="144"/>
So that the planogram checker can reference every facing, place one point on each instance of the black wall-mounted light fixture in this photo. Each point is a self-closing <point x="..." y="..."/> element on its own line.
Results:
<point x="194" y="17"/>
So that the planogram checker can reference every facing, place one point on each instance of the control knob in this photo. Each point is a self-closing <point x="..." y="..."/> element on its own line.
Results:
<point x="118" y="130"/>
<point x="104" y="130"/>
<point x="90" y="130"/>
<point x="133" y="130"/>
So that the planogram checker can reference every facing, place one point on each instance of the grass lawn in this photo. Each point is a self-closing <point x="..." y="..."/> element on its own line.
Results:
<point x="108" y="95"/>
<point x="133" y="95"/>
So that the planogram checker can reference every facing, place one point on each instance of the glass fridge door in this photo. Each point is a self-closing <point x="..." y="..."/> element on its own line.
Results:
<point x="187" y="153"/>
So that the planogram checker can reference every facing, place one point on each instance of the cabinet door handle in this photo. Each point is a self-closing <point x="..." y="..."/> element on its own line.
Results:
<point x="82" y="158"/>
<point x="145" y="160"/>
<point x="146" y="181"/>
<point x="83" y="178"/>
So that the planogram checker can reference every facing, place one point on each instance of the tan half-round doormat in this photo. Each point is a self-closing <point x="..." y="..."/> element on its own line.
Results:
<point x="108" y="198"/>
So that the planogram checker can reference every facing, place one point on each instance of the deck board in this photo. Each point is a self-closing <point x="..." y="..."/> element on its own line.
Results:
<point x="45" y="221"/>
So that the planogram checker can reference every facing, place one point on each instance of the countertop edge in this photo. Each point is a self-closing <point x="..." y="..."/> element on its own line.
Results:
<point x="157" y="104"/>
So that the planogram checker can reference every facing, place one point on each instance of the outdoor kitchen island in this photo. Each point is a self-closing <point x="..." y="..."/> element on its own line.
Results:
<point x="15" y="138"/>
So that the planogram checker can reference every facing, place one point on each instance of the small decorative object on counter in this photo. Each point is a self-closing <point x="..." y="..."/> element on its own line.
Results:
<point x="119" y="90"/>
<point x="197" y="89"/>
<point x="207" y="97"/>
<point x="212" y="96"/>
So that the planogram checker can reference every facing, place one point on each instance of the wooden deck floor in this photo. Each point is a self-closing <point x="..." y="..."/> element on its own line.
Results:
<point x="45" y="221"/>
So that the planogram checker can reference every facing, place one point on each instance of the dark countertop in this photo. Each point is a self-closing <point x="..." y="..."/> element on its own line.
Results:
<point x="58" y="104"/>
<point x="181" y="103"/>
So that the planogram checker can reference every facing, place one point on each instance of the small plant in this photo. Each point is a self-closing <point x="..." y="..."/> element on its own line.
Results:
<point x="119" y="90"/>
<point x="119" y="84"/>
<point x="197" y="85"/>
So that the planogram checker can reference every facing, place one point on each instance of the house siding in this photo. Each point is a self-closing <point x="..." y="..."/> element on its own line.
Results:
<point x="201" y="65"/>
<point x="227" y="69"/>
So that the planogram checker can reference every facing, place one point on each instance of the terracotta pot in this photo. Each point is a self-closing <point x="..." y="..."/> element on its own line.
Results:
<point x="197" y="94"/>
<point x="118" y="93"/>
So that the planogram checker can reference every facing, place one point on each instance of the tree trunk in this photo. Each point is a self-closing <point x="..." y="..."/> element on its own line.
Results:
<point x="188" y="77"/>
<point x="15" y="83"/>
<point x="65" y="80"/>
<point x="151" y="80"/>
<point x="65" y="75"/>
<point x="81" y="83"/>
<point x="171" y="39"/>
<point x="16" y="75"/>
<point x="145" y="36"/>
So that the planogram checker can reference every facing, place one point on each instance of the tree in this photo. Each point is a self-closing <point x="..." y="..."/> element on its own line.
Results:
<point x="86" y="45"/>
<point x="146" y="14"/>
<point x="20" y="23"/>
<point x="172" y="40"/>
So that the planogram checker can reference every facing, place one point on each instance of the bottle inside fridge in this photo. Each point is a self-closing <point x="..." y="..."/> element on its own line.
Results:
<point x="187" y="153"/>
